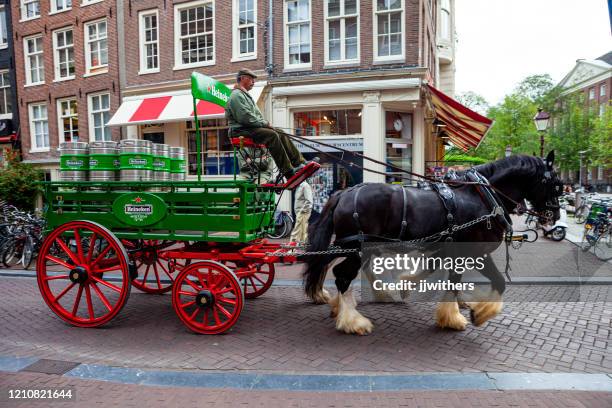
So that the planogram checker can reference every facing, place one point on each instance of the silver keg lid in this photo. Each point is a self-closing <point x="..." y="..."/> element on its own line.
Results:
<point x="73" y="146"/>
<point x="103" y="145"/>
<point x="160" y="149"/>
<point x="177" y="150"/>
<point x="135" y="143"/>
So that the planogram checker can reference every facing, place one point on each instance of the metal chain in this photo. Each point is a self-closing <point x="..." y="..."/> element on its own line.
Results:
<point x="335" y="250"/>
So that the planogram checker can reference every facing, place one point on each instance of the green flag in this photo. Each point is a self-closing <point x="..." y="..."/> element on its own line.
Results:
<point x="208" y="89"/>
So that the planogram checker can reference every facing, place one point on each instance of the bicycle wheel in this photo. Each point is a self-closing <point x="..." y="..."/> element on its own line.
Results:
<point x="581" y="214"/>
<point x="279" y="230"/>
<point x="603" y="246"/>
<point x="13" y="251"/>
<point x="288" y="222"/>
<point x="28" y="252"/>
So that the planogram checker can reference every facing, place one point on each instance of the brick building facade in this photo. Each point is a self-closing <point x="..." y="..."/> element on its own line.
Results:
<point x="9" y="110"/>
<point x="67" y="75"/>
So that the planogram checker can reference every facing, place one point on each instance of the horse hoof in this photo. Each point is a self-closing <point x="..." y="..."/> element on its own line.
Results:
<point x="482" y="311"/>
<point x="322" y="297"/>
<point x="449" y="317"/>
<point x="358" y="325"/>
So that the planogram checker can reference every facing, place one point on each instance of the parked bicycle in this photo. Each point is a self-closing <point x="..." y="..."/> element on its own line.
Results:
<point x="598" y="232"/>
<point x="283" y="225"/>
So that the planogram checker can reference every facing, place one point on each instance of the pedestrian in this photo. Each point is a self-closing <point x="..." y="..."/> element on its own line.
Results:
<point x="245" y="118"/>
<point x="303" y="209"/>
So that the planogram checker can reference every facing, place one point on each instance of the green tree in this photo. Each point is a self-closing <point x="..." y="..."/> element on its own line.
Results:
<point x="535" y="87"/>
<point x="17" y="182"/>
<point x="474" y="101"/>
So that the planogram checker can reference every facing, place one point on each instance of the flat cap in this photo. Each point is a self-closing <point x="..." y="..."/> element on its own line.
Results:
<point x="246" y="71"/>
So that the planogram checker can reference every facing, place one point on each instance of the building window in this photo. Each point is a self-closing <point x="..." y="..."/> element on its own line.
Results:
<point x="398" y="144"/>
<point x="602" y="90"/>
<point x="389" y="28"/>
<point x="6" y="105"/>
<point x="99" y="114"/>
<point x="35" y="68"/>
<point x="39" y="126"/>
<point x="63" y="49"/>
<point x="591" y="93"/>
<point x="149" y="42"/>
<point x="96" y="47"/>
<point x="194" y="34"/>
<point x="341" y="31"/>
<point x="217" y="157"/>
<point x="297" y="33"/>
<point x="342" y="122"/>
<point x="30" y="9"/>
<point x="445" y="20"/>
<point x="3" y="33"/>
<point x="88" y="2"/>
<point x="245" y="28"/>
<point x="60" y="5"/>
<point x="602" y="110"/>
<point x="68" y="120"/>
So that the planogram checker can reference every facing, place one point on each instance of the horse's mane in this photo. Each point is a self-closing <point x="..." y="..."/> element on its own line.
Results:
<point x="519" y="165"/>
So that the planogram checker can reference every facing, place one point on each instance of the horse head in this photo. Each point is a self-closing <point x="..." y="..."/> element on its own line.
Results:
<point x="545" y="190"/>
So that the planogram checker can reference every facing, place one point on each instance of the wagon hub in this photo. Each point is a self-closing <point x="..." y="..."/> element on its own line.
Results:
<point x="78" y="275"/>
<point x="205" y="299"/>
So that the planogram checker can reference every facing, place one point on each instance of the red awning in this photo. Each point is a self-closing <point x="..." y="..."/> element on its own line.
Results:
<point x="464" y="127"/>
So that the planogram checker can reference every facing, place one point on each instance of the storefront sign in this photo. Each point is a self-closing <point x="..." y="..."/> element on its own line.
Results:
<point x="352" y="145"/>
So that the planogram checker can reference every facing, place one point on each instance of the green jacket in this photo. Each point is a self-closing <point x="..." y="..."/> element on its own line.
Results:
<point x="241" y="112"/>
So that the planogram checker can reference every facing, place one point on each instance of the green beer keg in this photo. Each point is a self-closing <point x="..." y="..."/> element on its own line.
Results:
<point x="136" y="160"/>
<point x="177" y="163"/>
<point x="161" y="162"/>
<point x="74" y="161"/>
<point x="103" y="161"/>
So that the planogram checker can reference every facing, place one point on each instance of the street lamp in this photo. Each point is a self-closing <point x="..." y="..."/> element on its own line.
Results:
<point x="508" y="151"/>
<point x="541" y="120"/>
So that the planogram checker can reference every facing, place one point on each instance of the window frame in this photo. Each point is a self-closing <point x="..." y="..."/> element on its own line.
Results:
<point x="56" y="55"/>
<point x="98" y="69"/>
<point x="3" y="25"/>
<point x="27" y="56"/>
<point x="592" y="94"/>
<point x="445" y="9"/>
<point x="603" y="90"/>
<point x="53" y="7"/>
<point x="34" y="148"/>
<point x="89" y="2"/>
<point x="60" y="117"/>
<point x="178" y="61"/>
<point x="236" y="26"/>
<point x="342" y="17"/>
<point x="141" y="41"/>
<point x="6" y="97"/>
<point x="286" y="24"/>
<point x="23" y="10"/>
<point x="90" y="113"/>
<point x="389" y="58"/>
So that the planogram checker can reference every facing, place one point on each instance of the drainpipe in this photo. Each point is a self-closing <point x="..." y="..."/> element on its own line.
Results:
<point x="269" y="68"/>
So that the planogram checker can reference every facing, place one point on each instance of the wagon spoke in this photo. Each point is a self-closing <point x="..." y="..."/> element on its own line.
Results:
<point x="77" y="300"/>
<point x="226" y="300"/>
<point x="182" y="292"/>
<point x="252" y="283"/>
<point x="89" y="303"/>
<point x="159" y="285"/>
<point x="56" y="300"/>
<point x="92" y="245"/>
<point x="193" y="285"/>
<point x="221" y="292"/>
<point x="216" y="316"/>
<point x="56" y="277"/>
<point x="144" y="278"/>
<point x="201" y="279"/>
<point x="102" y="254"/>
<point x="259" y="280"/>
<point x="185" y="305"/>
<point x="59" y="261"/>
<point x="67" y="250"/>
<point x="224" y="311"/>
<point x="163" y="268"/>
<point x="107" y="284"/>
<point x="194" y="314"/>
<point x="101" y="296"/>
<point x="109" y="268"/>
<point x="205" y="321"/>
<point x="79" y="244"/>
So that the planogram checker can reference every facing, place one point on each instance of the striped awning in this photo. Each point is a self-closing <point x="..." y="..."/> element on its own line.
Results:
<point x="464" y="127"/>
<point x="167" y="108"/>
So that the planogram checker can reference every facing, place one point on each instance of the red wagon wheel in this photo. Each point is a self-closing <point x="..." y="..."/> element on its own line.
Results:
<point x="207" y="297"/>
<point x="155" y="275"/>
<point x="84" y="278"/>
<point x="255" y="277"/>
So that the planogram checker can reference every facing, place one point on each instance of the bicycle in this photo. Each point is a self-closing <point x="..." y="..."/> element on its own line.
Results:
<point x="283" y="224"/>
<point x="598" y="234"/>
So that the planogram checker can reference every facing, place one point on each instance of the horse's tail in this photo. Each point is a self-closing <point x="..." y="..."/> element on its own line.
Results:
<point x="319" y="238"/>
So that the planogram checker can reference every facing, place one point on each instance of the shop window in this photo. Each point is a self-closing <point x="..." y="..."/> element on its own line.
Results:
<point x="398" y="142"/>
<point x="155" y="137"/>
<point x="217" y="154"/>
<point x="342" y="122"/>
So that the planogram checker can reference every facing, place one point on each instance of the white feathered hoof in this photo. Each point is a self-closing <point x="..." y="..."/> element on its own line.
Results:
<point x="322" y="297"/>
<point x="480" y="312"/>
<point x="448" y="316"/>
<point x="349" y="320"/>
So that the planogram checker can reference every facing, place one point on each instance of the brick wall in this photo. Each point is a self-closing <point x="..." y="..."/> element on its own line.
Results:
<point x="80" y="87"/>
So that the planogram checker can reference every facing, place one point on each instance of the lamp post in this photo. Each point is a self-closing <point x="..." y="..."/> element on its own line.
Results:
<point x="508" y="151"/>
<point x="541" y="120"/>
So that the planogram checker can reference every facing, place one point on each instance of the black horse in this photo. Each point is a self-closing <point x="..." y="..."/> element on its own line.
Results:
<point x="381" y="208"/>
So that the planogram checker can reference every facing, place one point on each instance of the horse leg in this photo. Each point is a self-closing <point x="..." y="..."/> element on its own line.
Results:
<point x="480" y="312"/>
<point x="448" y="314"/>
<point x="348" y="319"/>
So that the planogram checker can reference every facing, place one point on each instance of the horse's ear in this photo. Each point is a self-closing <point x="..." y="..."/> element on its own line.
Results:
<point x="550" y="159"/>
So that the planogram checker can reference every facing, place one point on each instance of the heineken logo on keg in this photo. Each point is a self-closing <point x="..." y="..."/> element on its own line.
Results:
<point x="74" y="163"/>
<point x="139" y="209"/>
<point x="137" y="162"/>
<point x="158" y="164"/>
<point x="93" y="163"/>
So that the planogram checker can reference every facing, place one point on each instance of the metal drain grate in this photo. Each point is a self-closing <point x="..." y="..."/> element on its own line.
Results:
<point x="51" y="366"/>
